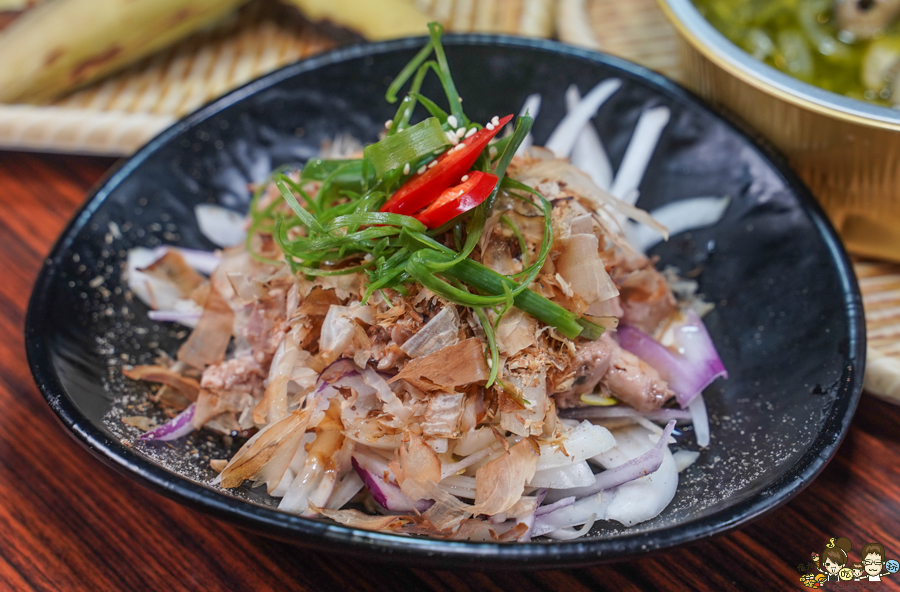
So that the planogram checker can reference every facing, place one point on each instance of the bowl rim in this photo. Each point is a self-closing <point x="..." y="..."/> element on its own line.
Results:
<point x="433" y="552"/>
<point x="722" y="52"/>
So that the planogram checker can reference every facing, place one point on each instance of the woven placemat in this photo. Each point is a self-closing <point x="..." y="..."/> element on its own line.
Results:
<point x="880" y="287"/>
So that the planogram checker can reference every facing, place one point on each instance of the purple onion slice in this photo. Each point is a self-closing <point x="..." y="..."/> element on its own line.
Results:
<point x="687" y="373"/>
<point x="177" y="427"/>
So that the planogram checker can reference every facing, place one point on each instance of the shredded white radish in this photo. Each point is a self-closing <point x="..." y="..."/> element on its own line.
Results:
<point x="563" y="138"/>
<point x="637" y="156"/>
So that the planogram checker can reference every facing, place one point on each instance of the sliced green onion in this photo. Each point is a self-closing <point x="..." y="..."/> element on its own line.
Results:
<point x="318" y="169"/>
<point x="407" y="71"/>
<point x="371" y="218"/>
<point x="492" y="345"/>
<point x="306" y="218"/>
<point x="523" y="246"/>
<point x="405" y="146"/>
<point x="430" y="106"/>
<point x="435" y="30"/>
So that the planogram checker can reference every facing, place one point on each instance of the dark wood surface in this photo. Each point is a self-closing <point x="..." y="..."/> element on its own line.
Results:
<point x="69" y="523"/>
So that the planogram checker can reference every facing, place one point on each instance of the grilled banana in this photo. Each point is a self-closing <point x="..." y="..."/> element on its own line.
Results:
<point x="63" y="44"/>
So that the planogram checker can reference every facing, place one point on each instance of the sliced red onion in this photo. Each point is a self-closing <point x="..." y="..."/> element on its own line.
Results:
<point x="700" y="419"/>
<point x="343" y="367"/>
<point x="563" y="138"/>
<point x="186" y="318"/>
<point x="637" y="156"/>
<point x="566" y="501"/>
<point x="635" y="468"/>
<point x="678" y="217"/>
<point x="385" y="493"/>
<point x="531" y="106"/>
<point x="663" y="415"/>
<point x="223" y="227"/>
<point x="177" y="427"/>
<point x="529" y="519"/>
<point x="589" y="155"/>
<point x="688" y="372"/>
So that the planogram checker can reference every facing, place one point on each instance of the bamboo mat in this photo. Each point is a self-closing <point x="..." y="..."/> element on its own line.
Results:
<point x="118" y="115"/>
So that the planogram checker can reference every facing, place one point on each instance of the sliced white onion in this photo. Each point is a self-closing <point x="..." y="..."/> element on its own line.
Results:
<point x="637" y="156"/>
<point x="223" y="227"/>
<point x="624" y="463"/>
<point x="204" y="262"/>
<point x="152" y="291"/>
<point x="680" y="216"/>
<point x="644" y="498"/>
<point x="582" y="442"/>
<point x="577" y="474"/>
<point x="566" y="534"/>
<point x="531" y="106"/>
<point x="685" y="458"/>
<point x="700" y="418"/>
<point x="563" y="138"/>
<point x="349" y="486"/>
<point x="588" y="154"/>
<point x="580" y="512"/>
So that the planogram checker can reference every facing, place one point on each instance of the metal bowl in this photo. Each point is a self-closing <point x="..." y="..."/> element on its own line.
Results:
<point x="847" y="151"/>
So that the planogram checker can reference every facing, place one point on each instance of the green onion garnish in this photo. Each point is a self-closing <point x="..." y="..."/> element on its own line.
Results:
<point x="406" y="146"/>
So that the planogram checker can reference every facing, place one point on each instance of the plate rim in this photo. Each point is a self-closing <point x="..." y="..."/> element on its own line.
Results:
<point x="433" y="552"/>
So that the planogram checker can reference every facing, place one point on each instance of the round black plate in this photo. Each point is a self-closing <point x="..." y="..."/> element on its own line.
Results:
<point x="788" y="317"/>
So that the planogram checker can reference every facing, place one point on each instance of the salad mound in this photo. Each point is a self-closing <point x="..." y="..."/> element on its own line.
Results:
<point x="447" y="332"/>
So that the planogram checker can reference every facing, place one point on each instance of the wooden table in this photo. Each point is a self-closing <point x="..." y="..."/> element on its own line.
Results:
<point x="69" y="523"/>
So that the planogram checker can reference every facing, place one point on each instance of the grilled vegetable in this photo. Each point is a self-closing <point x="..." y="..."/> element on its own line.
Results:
<point x="64" y="44"/>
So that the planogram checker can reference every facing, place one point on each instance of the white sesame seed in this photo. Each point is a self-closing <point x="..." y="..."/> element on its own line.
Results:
<point x="460" y="99"/>
<point x="471" y="132"/>
<point x="492" y="151"/>
<point x="439" y="150"/>
<point x="389" y="123"/>
<point x="431" y="164"/>
<point x="422" y="169"/>
<point x="464" y="178"/>
<point x="489" y="127"/>
<point x="460" y="132"/>
<point x="452" y="122"/>
<point x="451" y="137"/>
<point x="406" y="169"/>
<point x="495" y="120"/>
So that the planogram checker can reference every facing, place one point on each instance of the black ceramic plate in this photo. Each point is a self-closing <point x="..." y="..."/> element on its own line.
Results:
<point x="788" y="318"/>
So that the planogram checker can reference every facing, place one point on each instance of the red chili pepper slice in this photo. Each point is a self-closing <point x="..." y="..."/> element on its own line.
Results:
<point x="459" y="199"/>
<point x="423" y="189"/>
